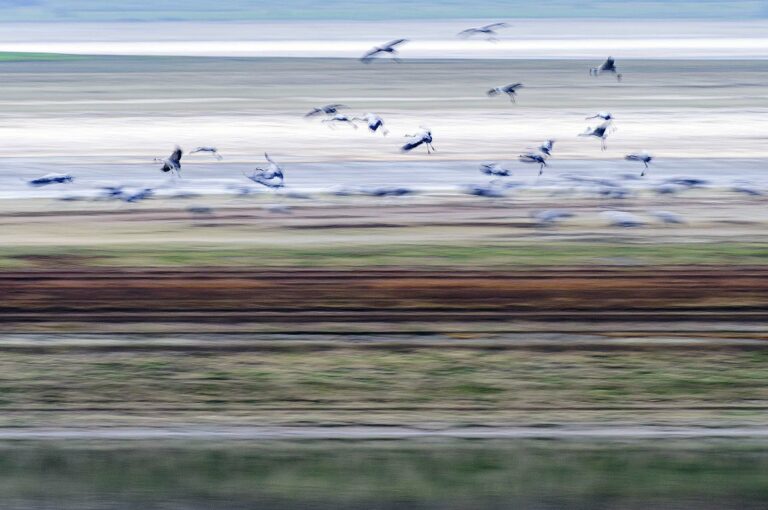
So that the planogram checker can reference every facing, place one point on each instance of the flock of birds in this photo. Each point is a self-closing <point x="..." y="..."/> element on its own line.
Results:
<point x="272" y="175"/>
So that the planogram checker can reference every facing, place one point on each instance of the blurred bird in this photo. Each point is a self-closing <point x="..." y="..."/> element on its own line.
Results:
<point x="172" y="162"/>
<point x="487" y="30"/>
<point x="423" y="137"/>
<point x="551" y="216"/>
<point x="600" y="132"/>
<point x="136" y="196"/>
<point x="546" y="147"/>
<point x="747" y="189"/>
<point x="495" y="170"/>
<point x="329" y="109"/>
<point x="212" y="150"/>
<point x="688" y="182"/>
<point x="641" y="156"/>
<point x="622" y="219"/>
<point x="51" y="179"/>
<point x="374" y="122"/>
<point x="609" y="66"/>
<point x="110" y="192"/>
<point x="601" y="115"/>
<point x="388" y="48"/>
<point x="339" y="118"/>
<point x="388" y="192"/>
<point x="668" y="217"/>
<point x="534" y="157"/>
<point x="510" y="90"/>
<point x="271" y="177"/>
<point x="485" y="190"/>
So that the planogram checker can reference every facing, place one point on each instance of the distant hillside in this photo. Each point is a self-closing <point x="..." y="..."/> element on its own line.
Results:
<point x="233" y="10"/>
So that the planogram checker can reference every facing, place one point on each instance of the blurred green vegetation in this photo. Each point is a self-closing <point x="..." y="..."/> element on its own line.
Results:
<point x="15" y="56"/>
<point x="513" y="253"/>
<point x="335" y="475"/>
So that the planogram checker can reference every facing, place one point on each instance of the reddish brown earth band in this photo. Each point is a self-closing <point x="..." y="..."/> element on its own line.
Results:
<point x="210" y="295"/>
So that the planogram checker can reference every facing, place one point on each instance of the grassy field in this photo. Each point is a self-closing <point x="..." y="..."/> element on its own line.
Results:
<point x="405" y="385"/>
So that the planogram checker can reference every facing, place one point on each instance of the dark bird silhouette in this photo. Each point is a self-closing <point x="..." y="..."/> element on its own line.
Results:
<point x="487" y="30"/>
<point x="510" y="90"/>
<point x="641" y="156"/>
<point x="389" y="48"/>
<point x="329" y="109"/>
<point x="547" y="147"/>
<point x="609" y="66"/>
<point x="600" y="132"/>
<point x="534" y="157"/>
<point x="172" y="162"/>
<point x="51" y="179"/>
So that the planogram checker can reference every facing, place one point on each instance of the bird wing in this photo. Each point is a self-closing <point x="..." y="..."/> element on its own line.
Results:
<point x="467" y="32"/>
<point x="175" y="158"/>
<point x="412" y="144"/>
<point x="371" y="54"/>
<point x="494" y="25"/>
<point x="314" y="111"/>
<point x="392" y="44"/>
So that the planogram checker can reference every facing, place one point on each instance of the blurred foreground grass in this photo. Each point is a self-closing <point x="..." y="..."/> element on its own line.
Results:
<point x="385" y="385"/>
<point x="453" y="474"/>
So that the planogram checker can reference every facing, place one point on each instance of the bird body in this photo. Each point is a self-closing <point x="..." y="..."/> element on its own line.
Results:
<point x="622" y="219"/>
<point x="609" y="66"/>
<point x="534" y="157"/>
<point x="339" y="118"/>
<point x="328" y="109"/>
<point x="51" y="179"/>
<point x="137" y="196"/>
<point x="389" y="48"/>
<point x="212" y="150"/>
<point x="600" y="132"/>
<point x="271" y="177"/>
<point x="495" y="170"/>
<point x="510" y="90"/>
<point x="487" y="30"/>
<point x="173" y="162"/>
<point x="424" y="137"/>
<point x="374" y="122"/>
<point x="546" y="147"/>
<point x="551" y="216"/>
<point x="644" y="157"/>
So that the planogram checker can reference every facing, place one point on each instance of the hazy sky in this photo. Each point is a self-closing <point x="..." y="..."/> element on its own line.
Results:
<point x="233" y="10"/>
